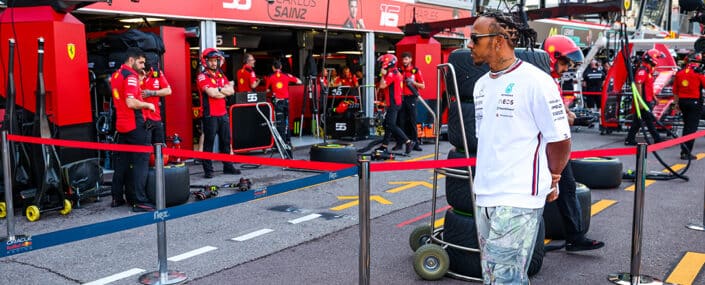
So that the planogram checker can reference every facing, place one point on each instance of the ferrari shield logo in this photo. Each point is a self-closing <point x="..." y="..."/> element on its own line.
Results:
<point x="427" y="58"/>
<point x="71" y="49"/>
<point x="627" y="5"/>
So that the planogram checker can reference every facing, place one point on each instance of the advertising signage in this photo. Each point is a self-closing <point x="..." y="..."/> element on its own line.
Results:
<point x="374" y="15"/>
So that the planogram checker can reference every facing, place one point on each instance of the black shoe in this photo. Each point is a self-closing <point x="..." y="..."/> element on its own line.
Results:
<point x="117" y="203"/>
<point x="584" y="244"/>
<point x="630" y="142"/>
<point x="409" y="146"/>
<point x="397" y="146"/>
<point x="232" y="171"/>
<point x="208" y="175"/>
<point x="685" y="156"/>
<point x="143" y="207"/>
<point x="417" y="147"/>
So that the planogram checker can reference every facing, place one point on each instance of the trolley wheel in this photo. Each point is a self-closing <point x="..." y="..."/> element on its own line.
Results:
<point x="3" y="210"/>
<point x="431" y="262"/>
<point x="420" y="236"/>
<point x="67" y="207"/>
<point x="32" y="213"/>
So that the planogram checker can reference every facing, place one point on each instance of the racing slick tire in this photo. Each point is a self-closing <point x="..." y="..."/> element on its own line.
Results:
<point x="457" y="189"/>
<point x="537" y="57"/>
<point x="554" y="221"/>
<point x="455" y="136"/>
<point x="330" y="152"/>
<point x="598" y="172"/>
<point x="176" y="185"/>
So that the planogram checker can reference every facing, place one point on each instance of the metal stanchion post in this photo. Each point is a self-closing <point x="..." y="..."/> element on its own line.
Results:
<point x="634" y="277"/>
<point x="364" y="197"/>
<point x="163" y="275"/>
<point x="701" y="226"/>
<point x="7" y="172"/>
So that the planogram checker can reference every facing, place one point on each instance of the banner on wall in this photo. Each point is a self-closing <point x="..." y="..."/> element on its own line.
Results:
<point x="374" y="15"/>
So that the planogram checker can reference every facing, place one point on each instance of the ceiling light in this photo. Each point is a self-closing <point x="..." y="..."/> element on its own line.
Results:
<point x="140" y="20"/>
<point x="357" y="52"/>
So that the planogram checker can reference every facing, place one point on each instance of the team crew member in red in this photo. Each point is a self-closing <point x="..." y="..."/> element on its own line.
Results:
<point x="686" y="93"/>
<point x="563" y="54"/>
<point x="407" y="114"/>
<point x="278" y="83"/>
<point x="130" y="125"/>
<point x="247" y="80"/>
<point x="155" y="86"/>
<point x="391" y="82"/>
<point x="644" y="80"/>
<point x="347" y="79"/>
<point x="214" y="87"/>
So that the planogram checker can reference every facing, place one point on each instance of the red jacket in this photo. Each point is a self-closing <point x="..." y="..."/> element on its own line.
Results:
<point x="395" y="82"/>
<point x="645" y="77"/>
<point x="212" y="106"/>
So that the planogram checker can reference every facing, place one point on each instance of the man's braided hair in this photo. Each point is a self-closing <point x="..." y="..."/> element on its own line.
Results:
<point x="512" y="27"/>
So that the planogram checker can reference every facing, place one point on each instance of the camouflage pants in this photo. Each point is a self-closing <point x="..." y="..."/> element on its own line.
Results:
<point x="507" y="237"/>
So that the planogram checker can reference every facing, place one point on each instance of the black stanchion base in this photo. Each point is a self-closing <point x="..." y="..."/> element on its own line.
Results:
<point x="626" y="278"/>
<point x="696" y="227"/>
<point x="154" y="278"/>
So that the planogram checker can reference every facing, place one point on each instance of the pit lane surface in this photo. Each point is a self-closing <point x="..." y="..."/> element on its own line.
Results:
<point x="297" y="237"/>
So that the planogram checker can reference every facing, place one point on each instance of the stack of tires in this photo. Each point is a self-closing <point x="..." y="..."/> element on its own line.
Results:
<point x="466" y="74"/>
<point x="108" y="53"/>
<point x="554" y="220"/>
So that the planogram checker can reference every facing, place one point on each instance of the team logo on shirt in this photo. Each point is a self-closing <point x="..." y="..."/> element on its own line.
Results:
<point x="116" y="94"/>
<point x="684" y="83"/>
<point x="279" y="85"/>
<point x="509" y="88"/>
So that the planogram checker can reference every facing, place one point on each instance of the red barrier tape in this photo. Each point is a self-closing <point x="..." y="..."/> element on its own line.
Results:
<point x="460" y="162"/>
<point x="330" y="166"/>
<point x="301" y="164"/>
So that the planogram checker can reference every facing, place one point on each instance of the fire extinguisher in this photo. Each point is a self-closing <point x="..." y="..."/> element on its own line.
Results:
<point x="176" y="143"/>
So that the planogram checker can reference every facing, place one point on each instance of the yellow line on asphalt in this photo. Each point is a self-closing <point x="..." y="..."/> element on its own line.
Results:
<point x="421" y="157"/>
<point x="687" y="269"/>
<point x="646" y="184"/>
<point x="439" y="223"/>
<point x="599" y="206"/>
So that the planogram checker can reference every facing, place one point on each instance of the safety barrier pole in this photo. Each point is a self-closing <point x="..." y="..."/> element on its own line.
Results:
<point x="634" y="277"/>
<point x="7" y="171"/>
<point x="701" y="226"/>
<point x="364" y="196"/>
<point x="163" y="275"/>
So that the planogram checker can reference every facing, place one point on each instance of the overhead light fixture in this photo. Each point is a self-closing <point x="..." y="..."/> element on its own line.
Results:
<point x="140" y="20"/>
<point x="356" y="52"/>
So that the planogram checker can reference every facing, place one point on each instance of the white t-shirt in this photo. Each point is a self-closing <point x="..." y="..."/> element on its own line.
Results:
<point x="517" y="115"/>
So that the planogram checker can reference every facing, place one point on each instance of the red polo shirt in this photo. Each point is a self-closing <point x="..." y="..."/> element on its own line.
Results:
<point x="415" y="75"/>
<point x="125" y="84"/>
<point x="278" y="82"/>
<point x="688" y="83"/>
<point x="154" y="80"/>
<point x="245" y="77"/>
<point x="645" y="77"/>
<point x="212" y="106"/>
<point x="395" y="81"/>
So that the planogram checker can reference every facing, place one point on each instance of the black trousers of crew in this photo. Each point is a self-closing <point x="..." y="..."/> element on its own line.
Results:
<point x="569" y="206"/>
<point x="219" y="125"/>
<point x="648" y="119"/>
<point x="131" y="168"/>
<point x="391" y="127"/>
<point x="281" y="111"/>
<point x="156" y="131"/>
<point x="691" y="110"/>
<point x="592" y="100"/>
<point x="407" y="117"/>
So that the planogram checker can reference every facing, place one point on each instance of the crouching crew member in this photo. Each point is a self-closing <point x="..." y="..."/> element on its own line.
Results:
<point x="131" y="168"/>
<point x="214" y="87"/>
<point x="278" y="83"/>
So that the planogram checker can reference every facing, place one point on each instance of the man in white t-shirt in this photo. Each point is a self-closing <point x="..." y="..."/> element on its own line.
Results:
<point x="523" y="145"/>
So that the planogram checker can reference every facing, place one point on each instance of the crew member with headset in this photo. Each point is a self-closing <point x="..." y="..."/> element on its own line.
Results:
<point x="686" y="97"/>
<point x="214" y="88"/>
<point x="644" y="80"/>
<point x="391" y="83"/>
<point x="247" y="80"/>
<point x="154" y="86"/>
<point x="563" y="54"/>
<point x="278" y="83"/>
<point x="131" y="168"/>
